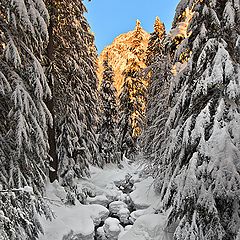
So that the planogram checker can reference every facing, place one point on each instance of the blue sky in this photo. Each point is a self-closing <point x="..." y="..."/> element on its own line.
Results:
<point x="109" y="18"/>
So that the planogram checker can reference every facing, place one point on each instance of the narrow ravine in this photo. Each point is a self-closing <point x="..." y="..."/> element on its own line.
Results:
<point x="119" y="212"/>
<point x="118" y="205"/>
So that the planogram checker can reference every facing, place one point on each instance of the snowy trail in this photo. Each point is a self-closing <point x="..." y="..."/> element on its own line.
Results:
<point x="107" y="213"/>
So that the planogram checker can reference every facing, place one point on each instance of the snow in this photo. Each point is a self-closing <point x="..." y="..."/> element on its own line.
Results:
<point x="80" y="221"/>
<point x="98" y="213"/>
<point x="229" y="14"/>
<point x="148" y="227"/>
<point x="28" y="189"/>
<point x="128" y="227"/>
<point x="55" y="191"/>
<point x="112" y="224"/>
<point x="144" y="195"/>
<point x="123" y="211"/>
<point x="76" y="219"/>
<point x="100" y="232"/>
<point x="12" y="55"/>
<point x="105" y="177"/>
<point x="116" y="206"/>
<point x="102" y="181"/>
<point x="123" y="215"/>
<point x="112" y="228"/>
<point x="100" y="199"/>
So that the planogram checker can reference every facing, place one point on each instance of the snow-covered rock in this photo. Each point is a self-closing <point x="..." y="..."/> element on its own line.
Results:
<point x="122" y="196"/>
<point x="112" y="192"/>
<point x="98" y="213"/>
<point x="155" y="207"/>
<point x="101" y="233"/>
<point x="72" y="236"/>
<point x="112" y="228"/>
<point x="116" y="206"/>
<point x="126" y="185"/>
<point x="123" y="215"/>
<point x="100" y="199"/>
<point x="136" y="214"/>
<point x="148" y="227"/>
<point x="144" y="195"/>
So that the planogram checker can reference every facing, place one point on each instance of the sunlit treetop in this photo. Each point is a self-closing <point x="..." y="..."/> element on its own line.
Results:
<point x="159" y="27"/>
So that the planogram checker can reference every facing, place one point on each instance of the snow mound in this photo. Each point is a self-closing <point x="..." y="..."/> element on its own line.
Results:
<point x="144" y="195"/>
<point x="136" y="214"/>
<point x="71" y="222"/>
<point x="101" y="233"/>
<point x="147" y="227"/>
<point x="98" y="213"/>
<point x="55" y="191"/>
<point x="156" y="207"/>
<point x="112" y="228"/>
<point x="100" y="199"/>
<point x="123" y="215"/>
<point x="75" y="219"/>
<point x="116" y="206"/>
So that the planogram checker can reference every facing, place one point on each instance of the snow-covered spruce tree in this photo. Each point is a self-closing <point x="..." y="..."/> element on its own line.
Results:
<point x="155" y="43"/>
<point x="73" y="56"/>
<point x="199" y="172"/>
<point x="24" y="117"/>
<point x="161" y="67"/>
<point x="157" y="71"/>
<point x="132" y="98"/>
<point x="125" y="135"/>
<point x="107" y="139"/>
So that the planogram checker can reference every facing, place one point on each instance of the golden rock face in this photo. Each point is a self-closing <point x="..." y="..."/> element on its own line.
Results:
<point x="120" y="51"/>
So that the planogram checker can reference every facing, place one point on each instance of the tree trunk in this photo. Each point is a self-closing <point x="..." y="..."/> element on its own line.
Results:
<point x="53" y="173"/>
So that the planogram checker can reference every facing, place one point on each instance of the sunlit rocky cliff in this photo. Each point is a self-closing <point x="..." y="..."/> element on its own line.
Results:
<point x="120" y="51"/>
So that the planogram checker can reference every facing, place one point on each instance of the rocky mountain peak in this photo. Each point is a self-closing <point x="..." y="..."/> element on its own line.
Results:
<point x="121" y="50"/>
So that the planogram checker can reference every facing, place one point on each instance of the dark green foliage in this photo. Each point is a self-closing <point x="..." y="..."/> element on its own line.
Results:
<point x="107" y="139"/>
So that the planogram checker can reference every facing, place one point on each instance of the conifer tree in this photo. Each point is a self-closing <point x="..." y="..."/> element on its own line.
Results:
<point x="125" y="125"/>
<point x="155" y="42"/>
<point x="199" y="170"/>
<point x="72" y="66"/>
<point x="157" y="72"/>
<point x="133" y="97"/>
<point x="24" y="117"/>
<point x="108" y="123"/>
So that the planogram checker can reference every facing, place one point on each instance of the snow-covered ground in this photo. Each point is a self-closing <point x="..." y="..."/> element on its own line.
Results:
<point x="107" y="213"/>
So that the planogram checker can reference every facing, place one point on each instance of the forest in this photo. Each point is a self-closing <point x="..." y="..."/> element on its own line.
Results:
<point x="139" y="142"/>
